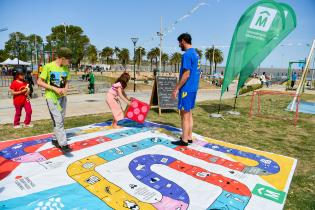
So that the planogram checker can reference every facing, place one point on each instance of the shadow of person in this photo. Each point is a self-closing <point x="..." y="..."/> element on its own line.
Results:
<point x="213" y="108"/>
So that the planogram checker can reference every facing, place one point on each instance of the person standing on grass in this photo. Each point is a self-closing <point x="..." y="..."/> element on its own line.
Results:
<point x="55" y="79"/>
<point x="187" y="87"/>
<point x="263" y="79"/>
<point x="20" y="90"/>
<point x="294" y="78"/>
<point x="91" y="82"/>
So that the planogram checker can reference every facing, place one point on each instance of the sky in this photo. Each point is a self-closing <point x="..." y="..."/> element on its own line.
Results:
<point x="113" y="23"/>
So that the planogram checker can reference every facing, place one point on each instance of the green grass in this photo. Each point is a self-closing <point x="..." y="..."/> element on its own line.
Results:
<point x="269" y="134"/>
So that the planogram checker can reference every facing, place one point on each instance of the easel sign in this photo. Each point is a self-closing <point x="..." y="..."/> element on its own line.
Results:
<point x="161" y="96"/>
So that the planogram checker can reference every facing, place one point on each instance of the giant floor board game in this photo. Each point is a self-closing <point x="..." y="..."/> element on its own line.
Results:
<point x="136" y="167"/>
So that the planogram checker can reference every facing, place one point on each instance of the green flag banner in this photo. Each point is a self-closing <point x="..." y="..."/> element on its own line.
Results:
<point x="290" y="25"/>
<point x="258" y="31"/>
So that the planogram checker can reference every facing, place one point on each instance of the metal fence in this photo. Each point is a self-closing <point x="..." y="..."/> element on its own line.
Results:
<point x="5" y="80"/>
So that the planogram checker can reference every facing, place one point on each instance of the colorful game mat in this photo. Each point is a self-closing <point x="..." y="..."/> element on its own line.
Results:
<point x="136" y="167"/>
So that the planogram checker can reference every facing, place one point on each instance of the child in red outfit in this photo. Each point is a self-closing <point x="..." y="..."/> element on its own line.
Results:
<point x="19" y="89"/>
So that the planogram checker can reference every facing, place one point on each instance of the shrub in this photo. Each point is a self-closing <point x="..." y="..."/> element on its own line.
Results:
<point x="250" y="88"/>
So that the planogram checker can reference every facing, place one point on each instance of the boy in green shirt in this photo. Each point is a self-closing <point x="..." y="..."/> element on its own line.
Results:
<point x="91" y="82"/>
<point x="55" y="79"/>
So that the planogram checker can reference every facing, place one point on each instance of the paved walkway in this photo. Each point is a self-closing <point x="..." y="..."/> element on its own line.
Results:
<point x="90" y="104"/>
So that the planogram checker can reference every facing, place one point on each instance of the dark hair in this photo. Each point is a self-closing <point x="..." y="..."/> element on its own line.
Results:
<point x="123" y="79"/>
<point x="18" y="70"/>
<point x="64" y="52"/>
<point x="186" y="37"/>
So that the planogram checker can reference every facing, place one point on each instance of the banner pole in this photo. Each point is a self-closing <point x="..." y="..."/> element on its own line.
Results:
<point x="303" y="77"/>
<point x="234" y="103"/>
<point x="220" y="105"/>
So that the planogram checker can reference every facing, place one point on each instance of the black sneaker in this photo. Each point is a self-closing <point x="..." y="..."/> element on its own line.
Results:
<point x="180" y="143"/>
<point x="65" y="149"/>
<point x="55" y="143"/>
<point x="189" y="141"/>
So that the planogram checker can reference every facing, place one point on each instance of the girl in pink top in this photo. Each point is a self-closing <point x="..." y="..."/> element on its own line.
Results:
<point x="113" y="95"/>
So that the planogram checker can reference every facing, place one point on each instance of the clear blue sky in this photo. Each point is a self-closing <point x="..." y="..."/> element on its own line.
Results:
<point x="112" y="23"/>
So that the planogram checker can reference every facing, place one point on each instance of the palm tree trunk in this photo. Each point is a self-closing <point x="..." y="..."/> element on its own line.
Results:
<point x="215" y="67"/>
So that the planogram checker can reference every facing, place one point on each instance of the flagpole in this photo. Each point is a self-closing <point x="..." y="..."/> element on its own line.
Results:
<point x="234" y="103"/>
<point x="220" y="104"/>
<point x="303" y="77"/>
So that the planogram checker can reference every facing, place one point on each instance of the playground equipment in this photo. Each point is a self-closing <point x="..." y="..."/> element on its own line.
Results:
<point x="301" y="65"/>
<point x="273" y="105"/>
<point x="302" y="82"/>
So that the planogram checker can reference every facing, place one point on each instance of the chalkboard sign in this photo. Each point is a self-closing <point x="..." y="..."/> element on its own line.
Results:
<point x="162" y="93"/>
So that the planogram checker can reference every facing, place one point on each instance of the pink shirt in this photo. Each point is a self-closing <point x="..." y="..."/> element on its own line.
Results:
<point x="114" y="89"/>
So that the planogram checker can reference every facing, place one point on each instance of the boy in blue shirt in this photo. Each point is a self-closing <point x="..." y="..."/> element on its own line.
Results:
<point x="187" y="87"/>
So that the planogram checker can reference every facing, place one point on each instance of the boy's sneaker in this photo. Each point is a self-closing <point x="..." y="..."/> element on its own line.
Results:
<point x="65" y="149"/>
<point x="29" y="126"/>
<point x="17" y="126"/>
<point x="55" y="143"/>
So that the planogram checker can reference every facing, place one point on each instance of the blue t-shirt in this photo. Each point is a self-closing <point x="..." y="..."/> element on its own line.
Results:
<point x="294" y="77"/>
<point x="190" y="62"/>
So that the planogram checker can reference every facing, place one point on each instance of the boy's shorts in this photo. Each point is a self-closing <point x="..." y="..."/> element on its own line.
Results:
<point x="186" y="100"/>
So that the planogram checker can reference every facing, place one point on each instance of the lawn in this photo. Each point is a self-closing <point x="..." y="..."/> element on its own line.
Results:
<point x="269" y="134"/>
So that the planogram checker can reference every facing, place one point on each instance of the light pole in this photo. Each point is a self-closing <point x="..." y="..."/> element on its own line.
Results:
<point x="140" y="57"/>
<point x="44" y="57"/>
<point x="134" y="41"/>
<point x="65" y="25"/>
<point x="27" y="47"/>
<point x="17" y="39"/>
<point x="212" y="66"/>
<point x="160" y="34"/>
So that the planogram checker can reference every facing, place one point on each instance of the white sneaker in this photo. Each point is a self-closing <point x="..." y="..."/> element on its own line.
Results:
<point x="17" y="126"/>
<point x="29" y="126"/>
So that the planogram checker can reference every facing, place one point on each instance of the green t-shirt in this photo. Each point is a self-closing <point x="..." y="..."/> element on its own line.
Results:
<point x="91" y="78"/>
<point x="55" y="76"/>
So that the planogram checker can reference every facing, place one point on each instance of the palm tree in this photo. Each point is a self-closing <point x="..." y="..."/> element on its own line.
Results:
<point x="199" y="51"/>
<point x="123" y="56"/>
<point x="176" y="59"/>
<point x="218" y="58"/>
<point x="107" y="53"/>
<point x="155" y="52"/>
<point x="116" y="52"/>
<point x="150" y="56"/>
<point x="165" y="59"/>
<point x="91" y="53"/>
<point x="140" y="52"/>
<point x="209" y="56"/>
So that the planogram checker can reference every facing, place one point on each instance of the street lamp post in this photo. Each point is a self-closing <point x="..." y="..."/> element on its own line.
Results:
<point x="140" y="58"/>
<point x="65" y="25"/>
<point x="160" y="34"/>
<point x="17" y="39"/>
<point x="44" y="57"/>
<point x="27" y="48"/>
<point x="134" y="40"/>
<point x="30" y="48"/>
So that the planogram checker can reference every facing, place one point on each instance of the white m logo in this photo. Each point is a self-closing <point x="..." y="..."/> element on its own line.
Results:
<point x="263" y="18"/>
